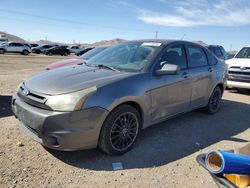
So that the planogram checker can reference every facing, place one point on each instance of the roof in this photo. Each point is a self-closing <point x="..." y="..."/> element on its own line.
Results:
<point x="163" y="41"/>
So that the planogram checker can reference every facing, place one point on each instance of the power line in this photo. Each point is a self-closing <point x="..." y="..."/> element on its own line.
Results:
<point x="72" y="21"/>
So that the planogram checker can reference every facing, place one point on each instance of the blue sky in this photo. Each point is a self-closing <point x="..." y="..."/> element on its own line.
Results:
<point x="225" y="22"/>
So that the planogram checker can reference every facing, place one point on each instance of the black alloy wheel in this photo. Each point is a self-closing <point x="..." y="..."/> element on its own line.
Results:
<point x="120" y="130"/>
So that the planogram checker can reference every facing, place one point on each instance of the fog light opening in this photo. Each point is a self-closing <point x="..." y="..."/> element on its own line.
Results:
<point x="53" y="141"/>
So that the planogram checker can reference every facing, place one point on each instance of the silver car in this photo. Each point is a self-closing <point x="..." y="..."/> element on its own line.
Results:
<point x="122" y="90"/>
<point x="15" y="47"/>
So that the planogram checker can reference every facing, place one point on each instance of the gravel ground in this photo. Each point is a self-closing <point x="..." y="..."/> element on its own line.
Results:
<point x="163" y="156"/>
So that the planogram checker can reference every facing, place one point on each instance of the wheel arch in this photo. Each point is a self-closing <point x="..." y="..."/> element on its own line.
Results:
<point x="134" y="105"/>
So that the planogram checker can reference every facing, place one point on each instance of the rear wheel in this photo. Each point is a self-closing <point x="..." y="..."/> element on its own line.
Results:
<point x="214" y="102"/>
<point x="120" y="130"/>
<point x="2" y="51"/>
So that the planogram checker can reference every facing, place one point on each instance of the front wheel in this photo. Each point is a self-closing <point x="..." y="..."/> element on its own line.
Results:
<point x="214" y="102"/>
<point x="25" y="52"/>
<point x="120" y="130"/>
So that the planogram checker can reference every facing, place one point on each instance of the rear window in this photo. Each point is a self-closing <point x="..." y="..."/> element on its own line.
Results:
<point x="197" y="57"/>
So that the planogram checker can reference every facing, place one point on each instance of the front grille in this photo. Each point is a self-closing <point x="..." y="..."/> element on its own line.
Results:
<point x="32" y="98"/>
<point x="239" y="74"/>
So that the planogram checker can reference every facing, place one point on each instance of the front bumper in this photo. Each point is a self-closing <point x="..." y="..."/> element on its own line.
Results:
<point x="60" y="130"/>
<point x="235" y="84"/>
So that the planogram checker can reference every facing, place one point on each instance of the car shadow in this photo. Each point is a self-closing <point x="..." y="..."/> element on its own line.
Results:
<point x="5" y="106"/>
<point x="240" y="91"/>
<point x="169" y="141"/>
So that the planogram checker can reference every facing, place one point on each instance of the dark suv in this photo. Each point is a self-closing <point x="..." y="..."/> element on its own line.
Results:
<point x="57" y="50"/>
<point x="219" y="51"/>
<point x="41" y="49"/>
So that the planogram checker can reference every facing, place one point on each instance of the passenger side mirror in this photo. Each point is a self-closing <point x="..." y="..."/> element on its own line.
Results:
<point x="168" y="69"/>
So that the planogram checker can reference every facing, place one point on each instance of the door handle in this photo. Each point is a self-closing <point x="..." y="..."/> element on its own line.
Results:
<point x="210" y="69"/>
<point x="185" y="75"/>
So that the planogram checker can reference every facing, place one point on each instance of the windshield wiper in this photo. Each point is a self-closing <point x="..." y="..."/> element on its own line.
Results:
<point x="107" y="67"/>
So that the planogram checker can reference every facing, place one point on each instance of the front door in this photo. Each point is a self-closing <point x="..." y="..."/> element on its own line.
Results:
<point x="170" y="94"/>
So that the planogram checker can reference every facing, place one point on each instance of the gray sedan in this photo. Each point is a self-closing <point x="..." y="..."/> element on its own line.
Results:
<point x="124" y="89"/>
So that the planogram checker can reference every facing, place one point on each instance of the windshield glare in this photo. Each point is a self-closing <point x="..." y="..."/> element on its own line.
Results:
<point x="91" y="53"/>
<point x="126" y="56"/>
<point x="244" y="53"/>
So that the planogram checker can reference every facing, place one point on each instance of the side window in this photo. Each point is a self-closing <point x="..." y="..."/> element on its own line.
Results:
<point x="197" y="57"/>
<point x="11" y="44"/>
<point x="174" y="55"/>
<point x="18" y="44"/>
<point x="212" y="58"/>
<point x="218" y="52"/>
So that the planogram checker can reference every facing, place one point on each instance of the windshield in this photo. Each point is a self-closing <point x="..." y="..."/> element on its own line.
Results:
<point x="244" y="53"/>
<point x="91" y="53"/>
<point x="127" y="56"/>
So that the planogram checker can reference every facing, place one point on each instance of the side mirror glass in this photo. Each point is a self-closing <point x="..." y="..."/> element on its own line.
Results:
<point x="168" y="69"/>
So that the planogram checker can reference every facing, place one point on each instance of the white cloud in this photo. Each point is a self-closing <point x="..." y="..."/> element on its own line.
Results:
<point x="188" y="13"/>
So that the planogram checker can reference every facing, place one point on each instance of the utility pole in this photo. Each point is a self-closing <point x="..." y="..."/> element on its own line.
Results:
<point x="156" y="34"/>
<point x="183" y="36"/>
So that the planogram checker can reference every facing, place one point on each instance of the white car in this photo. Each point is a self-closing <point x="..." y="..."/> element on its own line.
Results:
<point x="239" y="70"/>
<point x="75" y="49"/>
<point x="14" y="47"/>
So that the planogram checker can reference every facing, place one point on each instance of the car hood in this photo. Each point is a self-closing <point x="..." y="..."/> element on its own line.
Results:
<point x="69" y="79"/>
<point x="63" y="63"/>
<point x="239" y="62"/>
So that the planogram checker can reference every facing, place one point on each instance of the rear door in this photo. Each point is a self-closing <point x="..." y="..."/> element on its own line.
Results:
<point x="11" y="47"/>
<point x="19" y="47"/>
<point x="200" y="74"/>
<point x="170" y="94"/>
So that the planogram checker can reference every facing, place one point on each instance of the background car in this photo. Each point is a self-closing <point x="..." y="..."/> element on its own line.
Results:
<point x="79" y="61"/>
<point x="33" y="45"/>
<point x="57" y="50"/>
<point x="14" y="47"/>
<point x="130" y="86"/>
<point x="239" y="70"/>
<point x="75" y="49"/>
<point x="41" y="49"/>
<point x="219" y="51"/>
<point x="83" y="51"/>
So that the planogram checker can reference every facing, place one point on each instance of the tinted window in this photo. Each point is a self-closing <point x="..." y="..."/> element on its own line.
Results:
<point x="18" y="44"/>
<point x="197" y="57"/>
<point x="174" y="55"/>
<point x="212" y="58"/>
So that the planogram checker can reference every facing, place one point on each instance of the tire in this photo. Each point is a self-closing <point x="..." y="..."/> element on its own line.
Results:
<point x="25" y="52"/>
<point x="65" y="54"/>
<point x="214" y="102"/>
<point x="120" y="130"/>
<point x="2" y="51"/>
<point x="50" y="54"/>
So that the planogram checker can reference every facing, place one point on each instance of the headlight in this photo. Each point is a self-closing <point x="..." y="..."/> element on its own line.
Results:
<point x="69" y="102"/>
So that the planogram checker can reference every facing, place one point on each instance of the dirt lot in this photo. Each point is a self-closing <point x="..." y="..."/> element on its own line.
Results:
<point x="163" y="156"/>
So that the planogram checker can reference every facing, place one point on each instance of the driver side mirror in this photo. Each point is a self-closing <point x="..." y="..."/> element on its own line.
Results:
<point x="168" y="69"/>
